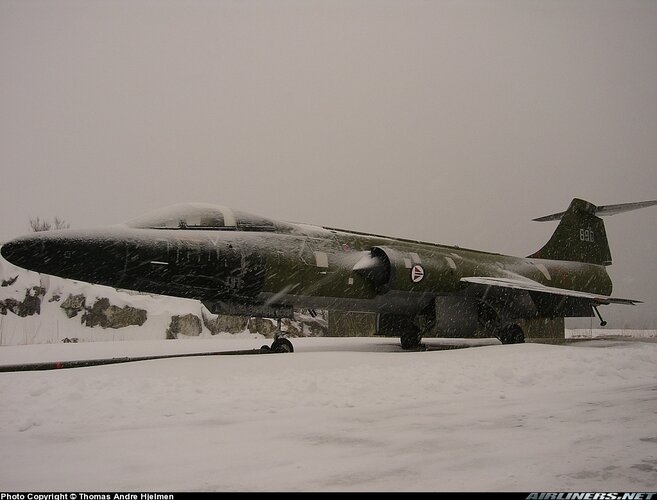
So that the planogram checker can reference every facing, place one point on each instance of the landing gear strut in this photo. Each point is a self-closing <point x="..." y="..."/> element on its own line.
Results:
<point x="281" y="343"/>
<point x="602" y="321"/>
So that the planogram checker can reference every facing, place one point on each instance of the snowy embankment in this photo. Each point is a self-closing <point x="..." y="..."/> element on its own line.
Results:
<point x="50" y="323"/>
<point x="338" y="414"/>
<point x="41" y="309"/>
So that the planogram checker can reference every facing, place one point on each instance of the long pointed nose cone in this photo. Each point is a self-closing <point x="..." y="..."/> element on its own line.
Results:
<point x="24" y="252"/>
<point x="79" y="255"/>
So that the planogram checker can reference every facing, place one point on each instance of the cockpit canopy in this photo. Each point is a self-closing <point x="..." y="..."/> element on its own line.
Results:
<point x="202" y="216"/>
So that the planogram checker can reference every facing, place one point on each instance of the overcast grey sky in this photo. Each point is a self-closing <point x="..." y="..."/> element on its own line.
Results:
<point x="448" y="121"/>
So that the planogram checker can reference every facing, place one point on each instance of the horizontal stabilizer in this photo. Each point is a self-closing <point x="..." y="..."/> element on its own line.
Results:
<point x="603" y="210"/>
<point x="535" y="286"/>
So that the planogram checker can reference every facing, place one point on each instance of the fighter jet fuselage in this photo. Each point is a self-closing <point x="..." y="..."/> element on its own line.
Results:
<point x="236" y="263"/>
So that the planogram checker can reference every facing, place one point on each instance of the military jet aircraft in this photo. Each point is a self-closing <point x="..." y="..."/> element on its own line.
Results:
<point x="242" y="264"/>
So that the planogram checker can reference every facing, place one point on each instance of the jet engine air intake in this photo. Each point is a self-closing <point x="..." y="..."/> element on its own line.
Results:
<point x="375" y="266"/>
<point x="390" y="269"/>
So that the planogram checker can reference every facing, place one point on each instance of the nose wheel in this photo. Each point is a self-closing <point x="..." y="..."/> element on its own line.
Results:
<point x="281" y="343"/>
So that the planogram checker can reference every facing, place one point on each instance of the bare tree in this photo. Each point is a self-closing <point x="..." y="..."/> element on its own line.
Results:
<point x="60" y="224"/>
<point x="44" y="225"/>
<point x="40" y="225"/>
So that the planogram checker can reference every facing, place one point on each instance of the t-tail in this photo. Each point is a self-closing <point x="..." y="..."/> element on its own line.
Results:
<point x="581" y="236"/>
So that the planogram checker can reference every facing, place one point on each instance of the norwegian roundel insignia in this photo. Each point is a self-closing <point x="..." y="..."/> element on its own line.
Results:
<point x="417" y="273"/>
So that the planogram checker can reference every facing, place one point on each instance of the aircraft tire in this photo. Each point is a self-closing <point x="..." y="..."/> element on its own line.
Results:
<point x="511" y="334"/>
<point x="282" y="345"/>
<point x="411" y="339"/>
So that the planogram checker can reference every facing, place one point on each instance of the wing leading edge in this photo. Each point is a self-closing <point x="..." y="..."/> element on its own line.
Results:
<point x="534" y="286"/>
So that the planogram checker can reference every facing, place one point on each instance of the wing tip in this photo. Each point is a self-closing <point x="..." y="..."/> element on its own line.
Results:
<point x="548" y="218"/>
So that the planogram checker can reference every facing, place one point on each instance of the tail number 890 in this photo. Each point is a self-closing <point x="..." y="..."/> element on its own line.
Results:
<point x="586" y="235"/>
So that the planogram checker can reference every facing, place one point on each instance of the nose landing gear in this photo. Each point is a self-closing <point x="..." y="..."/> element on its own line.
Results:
<point x="281" y="344"/>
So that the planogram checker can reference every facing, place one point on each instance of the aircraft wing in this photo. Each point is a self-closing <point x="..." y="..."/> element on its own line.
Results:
<point x="534" y="286"/>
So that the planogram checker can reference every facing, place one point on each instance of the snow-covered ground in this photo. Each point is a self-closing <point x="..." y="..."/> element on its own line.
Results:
<point x="338" y="414"/>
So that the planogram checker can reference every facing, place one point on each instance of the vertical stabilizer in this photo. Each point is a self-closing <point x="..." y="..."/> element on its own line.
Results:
<point x="579" y="237"/>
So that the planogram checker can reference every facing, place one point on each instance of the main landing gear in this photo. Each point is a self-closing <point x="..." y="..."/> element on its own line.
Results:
<point x="281" y="343"/>
<point x="511" y="334"/>
<point x="410" y="334"/>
